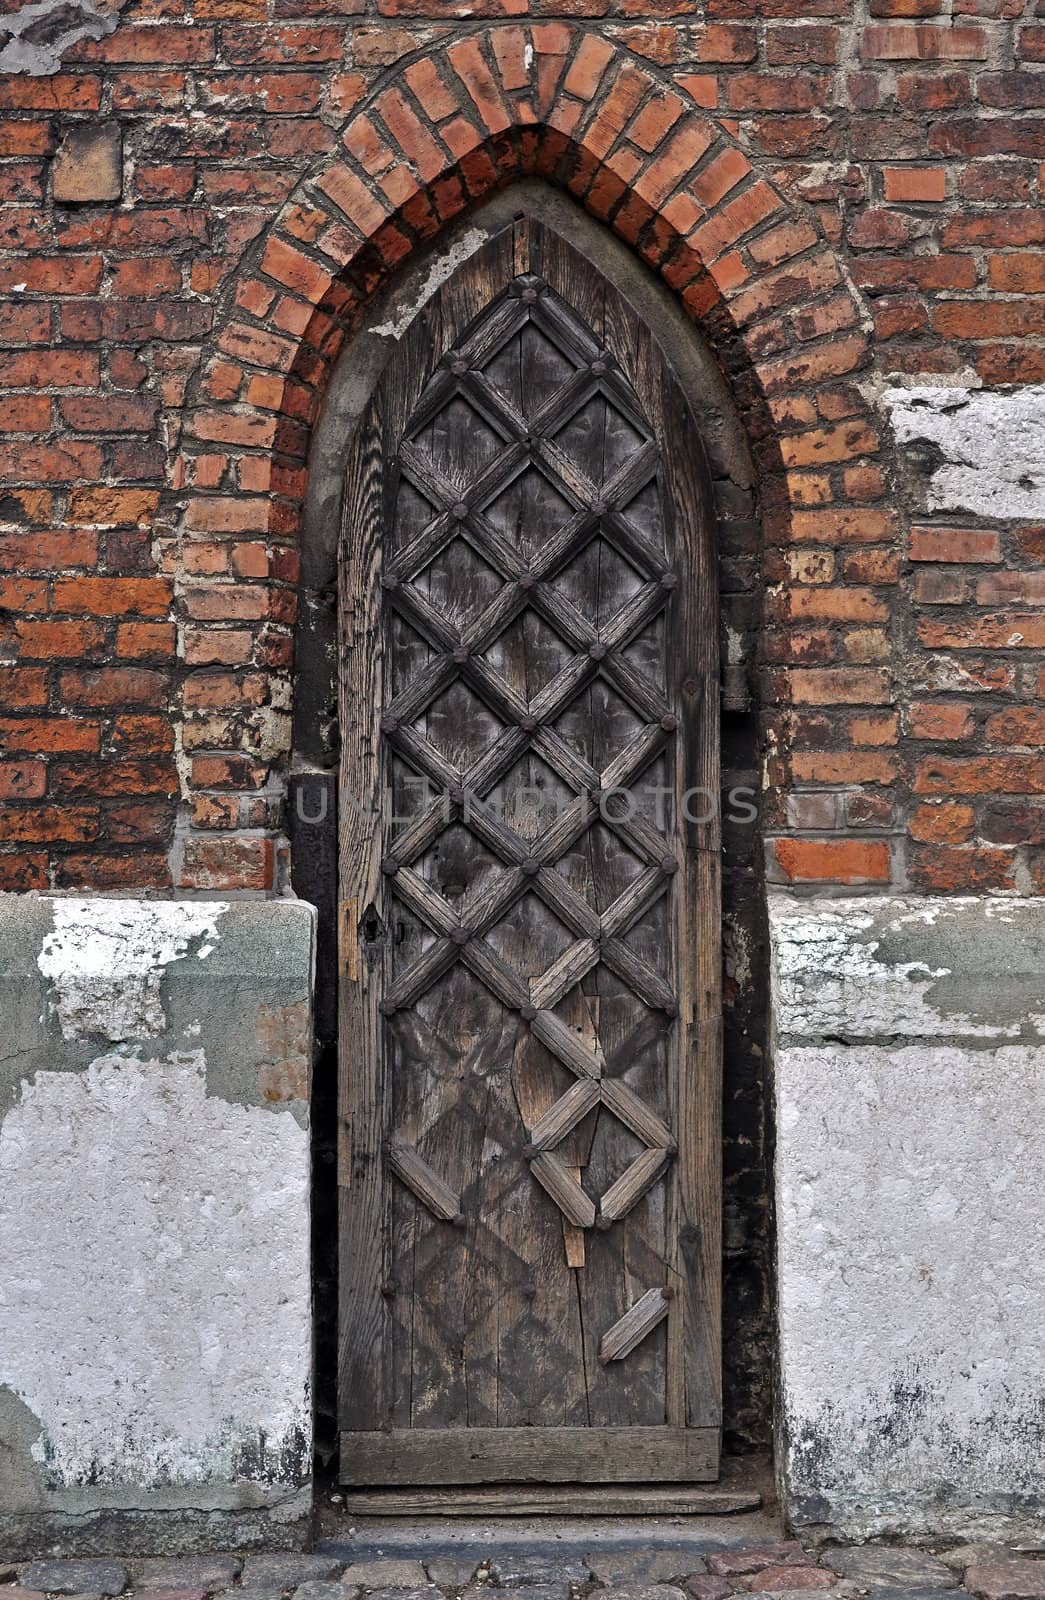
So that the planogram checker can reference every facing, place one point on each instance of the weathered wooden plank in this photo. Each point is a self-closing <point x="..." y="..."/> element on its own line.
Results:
<point x="562" y="1500"/>
<point x="423" y="1182"/>
<point x="694" y="1338"/>
<point x="629" y="1188"/>
<point x="364" y="1328"/>
<point x="636" y="1114"/>
<point x="561" y="1041"/>
<point x="562" y="1117"/>
<point x="530" y="1455"/>
<point x="564" y="1189"/>
<point x="638" y="1321"/>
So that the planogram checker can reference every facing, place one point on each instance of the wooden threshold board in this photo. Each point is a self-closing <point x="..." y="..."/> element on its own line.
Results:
<point x="437" y="1456"/>
<point x="557" y="1500"/>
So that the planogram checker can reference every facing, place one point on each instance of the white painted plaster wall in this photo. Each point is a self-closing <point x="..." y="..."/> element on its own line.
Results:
<point x="105" y="961"/>
<point x="991" y="445"/>
<point x="155" y="1291"/>
<point x="910" y="1112"/>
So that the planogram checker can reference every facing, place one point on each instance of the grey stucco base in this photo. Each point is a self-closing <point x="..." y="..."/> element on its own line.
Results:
<point x="909" y="1071"/>
<point x="155" y="1300"/>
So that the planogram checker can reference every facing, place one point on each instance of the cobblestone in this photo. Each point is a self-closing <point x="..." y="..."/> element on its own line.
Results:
<point x="786" y="1578"/>
<point x="326" y="1589"/>
<point x="645" y="1566"/>
<point x="706" y="1586"/>
<point x="770" y="1570"/>
<point x="453" y="1571"/>
<point x="188" y="1572"/>
<point x="427" y="1593"/>
<point x="1007" y="1580"/>
<point x="736" y="1562"/>
<point x="174" y="1594"/>
<point x="516" y="1571"/>
<point x="76" y="1577"/>
<point x="534" y="1591"/>
<point x="640" y="1591"/>
<point x="882" y="1566"/>
<point x="386" y="1574"/>
<point x="279" y="1571"/>
<point x="974" y="1555"/>
<point x="904" y="1593"/>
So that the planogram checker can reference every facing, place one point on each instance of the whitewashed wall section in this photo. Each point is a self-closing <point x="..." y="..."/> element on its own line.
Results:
<point x="983" y="449"/>
<point x="155" y="1364"/>
<point x="909" y="1070"/>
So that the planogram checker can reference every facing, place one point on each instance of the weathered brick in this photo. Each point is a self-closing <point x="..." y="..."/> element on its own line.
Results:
<point x="832" y="861"/>
<point x="954" y="544"/>
<point x="901" y="41"/>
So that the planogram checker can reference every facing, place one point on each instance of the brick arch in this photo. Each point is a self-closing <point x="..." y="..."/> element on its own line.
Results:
<point x="433" y="138"/>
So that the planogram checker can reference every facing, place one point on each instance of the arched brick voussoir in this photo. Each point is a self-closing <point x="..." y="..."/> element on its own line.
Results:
<point x="509" y="100"/>
<point x="434" y="137"/>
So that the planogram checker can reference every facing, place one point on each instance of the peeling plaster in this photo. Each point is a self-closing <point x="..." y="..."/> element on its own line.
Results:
<point x="910" y="1141"/>
<point x="986" y="447"/>
<point x="105" y="961"/>
<point x="35" y="38"/>
<point x="831" y="978"/>
<point x="911" y="1280"/>
<point x="441" y="269"/>
<point x="160" y="1229"/>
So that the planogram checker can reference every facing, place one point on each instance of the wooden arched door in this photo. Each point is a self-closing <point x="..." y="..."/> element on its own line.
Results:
<point x="529" y="897"/>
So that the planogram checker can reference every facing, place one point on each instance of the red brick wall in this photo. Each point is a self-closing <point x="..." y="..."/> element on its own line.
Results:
<point x="839" y="194"/>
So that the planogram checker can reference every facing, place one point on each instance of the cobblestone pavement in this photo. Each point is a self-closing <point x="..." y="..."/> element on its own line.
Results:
<point x="760" y="1571"/>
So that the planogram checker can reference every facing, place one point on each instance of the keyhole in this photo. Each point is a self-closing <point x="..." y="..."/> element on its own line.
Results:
<point x="373" y="931"/>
